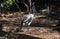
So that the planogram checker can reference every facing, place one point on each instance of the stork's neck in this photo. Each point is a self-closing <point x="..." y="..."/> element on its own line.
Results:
<point x="33" y="9"/>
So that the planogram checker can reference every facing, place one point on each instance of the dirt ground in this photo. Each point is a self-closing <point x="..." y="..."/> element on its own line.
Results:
<point x="41" y="32"/>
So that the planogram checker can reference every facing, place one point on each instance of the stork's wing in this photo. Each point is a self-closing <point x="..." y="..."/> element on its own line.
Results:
<point x="24" y="18"/>
<point x="29" y="20"/>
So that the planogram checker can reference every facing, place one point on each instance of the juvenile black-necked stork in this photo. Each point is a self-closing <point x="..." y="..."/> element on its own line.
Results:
<point x="27" y="19"/>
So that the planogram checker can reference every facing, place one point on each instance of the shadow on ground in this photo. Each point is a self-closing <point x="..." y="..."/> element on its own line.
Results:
<point x="22" y="36"/>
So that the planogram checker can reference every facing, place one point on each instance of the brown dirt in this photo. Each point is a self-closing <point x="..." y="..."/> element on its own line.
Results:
<point x="39" y="32"/>
<point x="42" y="32"/>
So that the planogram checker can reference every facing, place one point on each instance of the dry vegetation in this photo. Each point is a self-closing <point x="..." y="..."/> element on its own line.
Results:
<point x="40" y="32"/>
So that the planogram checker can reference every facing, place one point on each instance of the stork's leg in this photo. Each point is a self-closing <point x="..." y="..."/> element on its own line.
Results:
<point x="20" y="29"/>
<point x="21" y="26"/>
<point x="28" y="29"/>
<point x="29" y="26"/>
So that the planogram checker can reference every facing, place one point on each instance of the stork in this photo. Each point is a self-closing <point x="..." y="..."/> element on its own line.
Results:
<point x="27" y="19"/>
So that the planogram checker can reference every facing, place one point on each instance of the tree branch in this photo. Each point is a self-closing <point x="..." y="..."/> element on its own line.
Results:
<point x="26" y="6"/>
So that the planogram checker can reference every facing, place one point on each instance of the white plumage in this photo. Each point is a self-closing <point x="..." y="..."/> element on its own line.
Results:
<point x="28" y="18"/>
